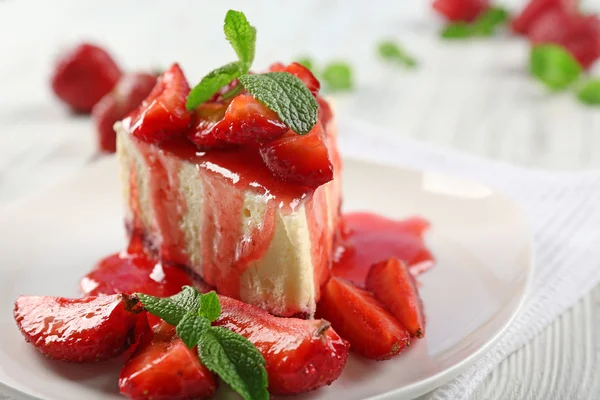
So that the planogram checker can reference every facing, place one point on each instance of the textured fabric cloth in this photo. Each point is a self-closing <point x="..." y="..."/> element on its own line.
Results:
<point x="563" y="210"/>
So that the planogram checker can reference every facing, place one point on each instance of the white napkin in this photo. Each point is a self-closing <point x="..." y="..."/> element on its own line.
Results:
<point x="564" y="213"/>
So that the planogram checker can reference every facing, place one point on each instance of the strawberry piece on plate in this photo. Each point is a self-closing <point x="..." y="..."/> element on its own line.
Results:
<point x="537" y="8"/>
<point x="164" y="368"/>
<point x="301" y="72"/>
<point x="79" y="330"/>
<point x="579" y="34"/>
<point x="162" y="115"/>
<point x="129" y="93"/>
<point x="301" y="355"/>
<point x="83" y="75"/>
<point x="243" y="121"/>
<point x="461" y="10"/>
<point x="299" y="159"/>
<point x="392" y="283"/>
<point x="359" y="318"/>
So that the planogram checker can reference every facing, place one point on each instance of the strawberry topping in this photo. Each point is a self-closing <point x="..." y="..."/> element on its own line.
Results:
<point x="394" y="286"/>
<point x="79" y="330"/>
<point x="359" y="318"/>
<point x="163" y="114"/>
<point x="163" y="368"/>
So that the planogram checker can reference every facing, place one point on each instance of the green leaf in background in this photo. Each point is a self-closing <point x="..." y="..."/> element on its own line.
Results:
<point x="391" y="51"/>
<point x="486" y="23"/>
<point x="307" y="62"/>
<point x="337" y="76"/>
<point x="191" y="328"/>
<point x="212" y="83"/>
<point x="165" y="309"/>
<point x="554" y="66"/>
<point x="237" y="362"/>
<point x="210" y="307"/>
<point x="589" y="93"/>
<point x="287" y="95"/>
<point x="242" y="37"/>
<point x="457" y="30"/>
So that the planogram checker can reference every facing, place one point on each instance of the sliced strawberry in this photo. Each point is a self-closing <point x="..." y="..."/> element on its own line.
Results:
<point x="243" y="121"/>
<point x="83" y="75"/>
<point x="579" y="34"/>
<point x="302" y="160"/>
<point x="392" y="283"/>
<point x="461" y="10"/>
<point x="163" y="368"/>
<point x="79" y="330"/>
<point x="300" y="355"/>
<point x="301" y="72"/>
<point x="129" y="93"/>
<point x="162" y="115"/>
<point x="537" y="8"/>
<point x="359" y="318"/>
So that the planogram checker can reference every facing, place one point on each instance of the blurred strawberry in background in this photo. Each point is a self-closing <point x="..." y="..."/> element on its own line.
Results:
<point x="537" y="8"/>
<point x="461" y="10"/>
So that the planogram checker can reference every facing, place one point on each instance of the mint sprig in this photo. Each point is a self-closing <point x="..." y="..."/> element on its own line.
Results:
<point x="554" y="66"/>
<point x="242" y="37"/>
<point x="287" y="95"/>
<point x="231" y="356"/>
<point x="212" y="83"/>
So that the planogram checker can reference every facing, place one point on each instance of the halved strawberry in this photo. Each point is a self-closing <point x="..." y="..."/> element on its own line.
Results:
<point x="162" y="115"/>
<point x="302" y="160"/>
<point x="537" y="8"/>
<point x="301" y="72"/>
<point x="163" y="368"/>
<point x="300" y="355"/>
<point x="79" y="330"/>
<point x="129" y="93"/>
<point x="392" y="283"/>
<point x="359" y="318"/>
<point x="579" y="34"/>
<point x="461" y="10"/>
<point x="83" y="75"/>
<point x="243" y="121"/>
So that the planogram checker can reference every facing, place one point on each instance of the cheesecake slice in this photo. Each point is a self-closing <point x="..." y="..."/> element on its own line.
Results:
<point x="225" y="215"/>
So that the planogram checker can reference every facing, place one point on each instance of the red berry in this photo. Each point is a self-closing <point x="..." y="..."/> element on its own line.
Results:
<point x="129" y="93"/>
<point x="461" y="10"/>
<point x="359" y="318"/>
<point x="162" y="115"/>
<point x="299" y="159"/>
<point x="301" y="72"/>
<point x="301" y="355"/>
<point x="243" y="121"/>
<point x="579" y="34"/>
<point x="537" y="8"/>
<point x="79" y="330"/>
<point x="392" y="283"/>
<point x="83" y="75"/>
<point x="163" y="368"/>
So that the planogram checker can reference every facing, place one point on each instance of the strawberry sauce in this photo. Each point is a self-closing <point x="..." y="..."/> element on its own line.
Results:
<point x="370" y="238"/>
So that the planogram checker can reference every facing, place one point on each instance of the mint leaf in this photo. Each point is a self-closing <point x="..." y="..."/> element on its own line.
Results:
<point x="165" y="309"/>
<point x="392" y="52"/>
<point x="235" y="359"/>
<point x="191" y="328"/>
<point x="242" y="37"/>
<point x="211" y="83"/>
<point x="188" y="299"/>
<point x="337" y="76"/>
<point x="554" y="66"/>
<point x="287" y="95"/>
<point x="210" y="308"/>
<point x="487" y="22"/>
<point x="307" y="62"/>
<point x="457" y="30"/>
<point x="590" y="92"/>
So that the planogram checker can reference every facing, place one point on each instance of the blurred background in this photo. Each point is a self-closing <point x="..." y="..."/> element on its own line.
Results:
<point x="472" y="94"/>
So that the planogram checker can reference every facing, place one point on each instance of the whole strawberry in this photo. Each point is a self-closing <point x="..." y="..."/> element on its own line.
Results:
<point x="83" y="75"/>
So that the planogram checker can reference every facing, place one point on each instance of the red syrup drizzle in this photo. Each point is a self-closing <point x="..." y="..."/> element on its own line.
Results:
<point x="367" y="238"/>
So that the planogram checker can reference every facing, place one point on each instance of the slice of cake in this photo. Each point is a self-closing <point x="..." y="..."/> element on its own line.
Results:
<point x="231" y="192"/>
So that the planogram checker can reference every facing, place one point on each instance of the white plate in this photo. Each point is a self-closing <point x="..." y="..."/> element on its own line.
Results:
<point x="480" y="239"/>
